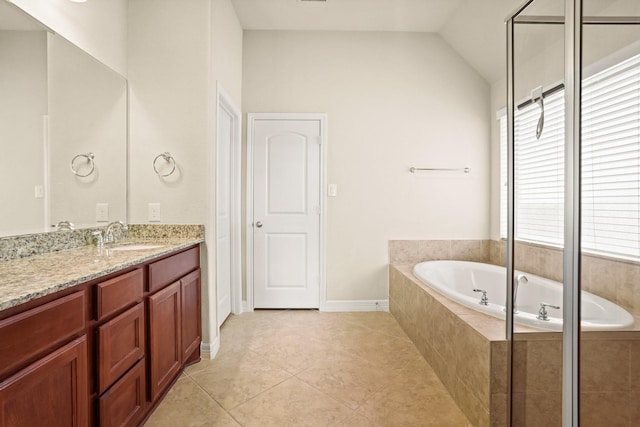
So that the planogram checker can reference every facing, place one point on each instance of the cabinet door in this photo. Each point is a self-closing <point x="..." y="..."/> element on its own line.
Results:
<point x="120" y="345"/>
<point x="125" y="402"/>
<point x="164" y="338"/>
<point x="190" y="316"/>
<point x="53" y="390"/>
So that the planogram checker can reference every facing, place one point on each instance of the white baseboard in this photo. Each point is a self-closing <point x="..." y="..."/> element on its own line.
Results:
<point x="245" y="307"/>
<point x="343" y="305"/>
<point x="355" y="305"/>
<point x="209" y="350"/>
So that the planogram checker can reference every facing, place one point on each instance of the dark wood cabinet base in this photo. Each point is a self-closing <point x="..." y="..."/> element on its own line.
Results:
<point x="119" y="342"/>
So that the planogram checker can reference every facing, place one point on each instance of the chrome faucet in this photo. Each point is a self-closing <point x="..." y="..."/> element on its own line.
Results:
<point x="98" y="238"/>
<point x="484" y="300"/>
<point x="520" y="278"/>
<point x="108" y="232"/>
<point x="543" y="314"/>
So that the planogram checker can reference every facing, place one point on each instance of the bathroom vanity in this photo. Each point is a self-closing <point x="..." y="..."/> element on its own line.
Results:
<point x="92" y="336"/>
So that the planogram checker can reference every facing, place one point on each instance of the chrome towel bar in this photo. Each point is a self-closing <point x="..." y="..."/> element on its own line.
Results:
<point x="465" y="170"/>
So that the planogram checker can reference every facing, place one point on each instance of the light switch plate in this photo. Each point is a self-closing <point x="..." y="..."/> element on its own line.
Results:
<point x="154" y="212"/>
<point x="39" y="191"/>
<point x="333" y="190"/>
<point x="102" y="212"/>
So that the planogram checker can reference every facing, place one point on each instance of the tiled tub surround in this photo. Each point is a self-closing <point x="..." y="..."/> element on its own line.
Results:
<point x="28" y="278"/>
<point x="468" y="351"/>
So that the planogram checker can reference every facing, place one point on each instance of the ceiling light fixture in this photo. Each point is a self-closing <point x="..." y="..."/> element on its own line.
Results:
<point x="79" y="1"/>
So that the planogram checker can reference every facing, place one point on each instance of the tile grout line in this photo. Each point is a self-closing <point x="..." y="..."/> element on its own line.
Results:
<point x="214" y="399"/>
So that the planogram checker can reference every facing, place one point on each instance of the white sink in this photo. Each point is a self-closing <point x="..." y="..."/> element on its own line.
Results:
<point x="134" y="247"/>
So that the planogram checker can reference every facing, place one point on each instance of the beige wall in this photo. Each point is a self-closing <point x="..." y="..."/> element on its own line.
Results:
<point x="23" y="103"/>
<point x="394" y="100"/>
<point x="226" y="73"/>
<point x="97" y="26"/>
<point x="168" y="60"/>
<point x="178" y="53"/>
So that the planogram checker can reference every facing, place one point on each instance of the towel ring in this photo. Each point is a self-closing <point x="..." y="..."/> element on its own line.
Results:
<point x="89" y="158"/>
<point x="167" y="158"/>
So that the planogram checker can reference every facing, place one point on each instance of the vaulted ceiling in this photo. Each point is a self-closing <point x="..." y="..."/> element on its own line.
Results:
<point x="474" y="28"/>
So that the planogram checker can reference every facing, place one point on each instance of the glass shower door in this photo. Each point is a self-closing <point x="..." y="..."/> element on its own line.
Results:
<point x="538" y="194"/>
<point x="574" y="213"/>
<point x="610" y="208"/>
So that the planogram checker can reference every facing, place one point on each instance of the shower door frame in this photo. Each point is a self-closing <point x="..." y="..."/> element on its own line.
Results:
<point x="573" y="22"/>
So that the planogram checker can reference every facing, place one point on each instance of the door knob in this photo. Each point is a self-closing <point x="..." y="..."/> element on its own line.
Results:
<point x="259" y="224"/>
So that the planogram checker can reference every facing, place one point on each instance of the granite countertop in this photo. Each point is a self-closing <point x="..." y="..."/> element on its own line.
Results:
<point x="25" y="279"/>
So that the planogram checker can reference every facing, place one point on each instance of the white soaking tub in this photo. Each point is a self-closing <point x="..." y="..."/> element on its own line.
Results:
<point x="457" y="280"/>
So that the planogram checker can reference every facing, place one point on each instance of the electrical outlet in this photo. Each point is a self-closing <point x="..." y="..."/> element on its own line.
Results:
<point x="39" y="191"/>
<point x="102" y="212"/>
<point x="154" y="212"/>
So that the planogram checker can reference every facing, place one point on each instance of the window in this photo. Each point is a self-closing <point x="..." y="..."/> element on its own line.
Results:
<point x="610" y="165"/>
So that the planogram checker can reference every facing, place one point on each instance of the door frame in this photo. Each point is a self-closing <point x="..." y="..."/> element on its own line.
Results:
<point x="225" y="103"/>
<point x="251" y="119"/>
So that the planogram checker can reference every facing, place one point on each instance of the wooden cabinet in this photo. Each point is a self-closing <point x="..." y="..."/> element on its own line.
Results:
<point x="30" y="334"/>
<point x="124" y="404"/>
<point x="117" y="342"/>
<point x="120" y="345"/>
<point x="52" y="391"/>
<point x="190" y="315"/>
<point x="175" y="327"/>
<point x="118" y="293"/>
<point x="169" y="270"/>
<point x="164" y="338"/>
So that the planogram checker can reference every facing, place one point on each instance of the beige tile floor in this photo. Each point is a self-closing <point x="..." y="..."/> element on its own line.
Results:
<point x="307" y="368"/>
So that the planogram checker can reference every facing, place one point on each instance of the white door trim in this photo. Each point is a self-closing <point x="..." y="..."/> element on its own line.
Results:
<point x="225" y="103"/>
<point x="251" y="118"/>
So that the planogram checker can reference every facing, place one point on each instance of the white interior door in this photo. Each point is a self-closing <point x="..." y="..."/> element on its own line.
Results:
<point x="286" y="213"/>
<point x="223" y="212"/>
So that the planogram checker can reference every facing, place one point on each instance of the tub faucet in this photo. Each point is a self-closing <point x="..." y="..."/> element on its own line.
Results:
<point x="484" y="300"/>
<point x="543" y="314"/>
<point x="520" y="278"/>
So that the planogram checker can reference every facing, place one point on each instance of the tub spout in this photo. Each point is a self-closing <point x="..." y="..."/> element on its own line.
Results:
<point x="520" y="278"/>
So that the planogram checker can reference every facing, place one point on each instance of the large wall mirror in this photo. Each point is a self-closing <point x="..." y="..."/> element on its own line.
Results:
<point x="63" y="131"/>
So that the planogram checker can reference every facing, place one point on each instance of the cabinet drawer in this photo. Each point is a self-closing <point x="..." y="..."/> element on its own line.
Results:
<point x="125" y="402"/>
<point x="118" y="293"/>
<point x="168" y="270"/>
<point x="120" y="345"/>
<point x="29" y="334"/>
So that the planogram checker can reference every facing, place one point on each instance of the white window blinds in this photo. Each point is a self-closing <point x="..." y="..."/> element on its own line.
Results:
<point x="539" y="172"/>
<point x="503" y="174"/>
<point x="610" y="165"/>
<point x="611" y="160"/>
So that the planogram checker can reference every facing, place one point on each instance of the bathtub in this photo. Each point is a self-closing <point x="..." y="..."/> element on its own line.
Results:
<point x="457" y="279"/>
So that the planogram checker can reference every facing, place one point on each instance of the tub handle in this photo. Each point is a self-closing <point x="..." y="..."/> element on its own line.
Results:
<point x="484" y="300"/>
<point x="542" y="313"/>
